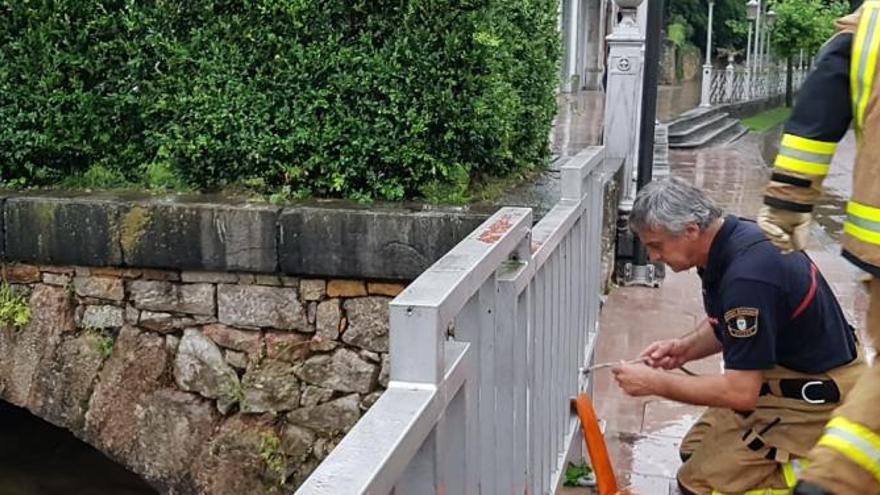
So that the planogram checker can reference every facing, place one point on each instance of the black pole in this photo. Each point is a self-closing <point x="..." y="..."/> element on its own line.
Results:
<point x="649" y="105"/>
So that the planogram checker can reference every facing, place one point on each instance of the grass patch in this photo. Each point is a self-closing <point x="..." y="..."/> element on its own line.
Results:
<point x="767" y="120"/>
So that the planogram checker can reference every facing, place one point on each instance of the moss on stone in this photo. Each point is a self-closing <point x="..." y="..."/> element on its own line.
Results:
<point x="134" y="223"/>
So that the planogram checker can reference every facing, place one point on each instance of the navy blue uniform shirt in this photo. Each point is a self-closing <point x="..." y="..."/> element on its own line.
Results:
<point x="751" y="291"/>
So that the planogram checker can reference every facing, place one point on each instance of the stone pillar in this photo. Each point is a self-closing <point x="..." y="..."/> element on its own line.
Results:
<point x="623" y="95"/>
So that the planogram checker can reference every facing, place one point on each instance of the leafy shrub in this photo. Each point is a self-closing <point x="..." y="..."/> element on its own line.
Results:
<point x="362" y="98"/>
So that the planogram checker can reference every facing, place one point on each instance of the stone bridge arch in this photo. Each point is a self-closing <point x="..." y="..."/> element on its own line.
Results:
<point x="171" y="337"/>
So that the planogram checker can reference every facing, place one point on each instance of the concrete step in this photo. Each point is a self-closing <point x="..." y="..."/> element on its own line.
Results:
<point x="721" y="132"/>
<point x="684" y="134"/>
<point x="691" y="118"/>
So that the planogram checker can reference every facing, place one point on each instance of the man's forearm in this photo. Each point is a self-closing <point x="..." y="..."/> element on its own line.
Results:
<point x="701" y="342"/>
<point x="707" y="390"/>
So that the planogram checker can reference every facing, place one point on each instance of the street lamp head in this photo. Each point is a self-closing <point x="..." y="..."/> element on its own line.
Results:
<point x="628" y="4"/>
<point x="771" y="18"/>
<point x="752" y="10"/>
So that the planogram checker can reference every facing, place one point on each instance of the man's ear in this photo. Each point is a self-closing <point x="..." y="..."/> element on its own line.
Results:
<point x="692" y="231"/>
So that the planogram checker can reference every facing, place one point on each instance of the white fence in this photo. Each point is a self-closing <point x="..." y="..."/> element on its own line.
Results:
<point x="737" y="84"/>
<point x="486" y="351"/>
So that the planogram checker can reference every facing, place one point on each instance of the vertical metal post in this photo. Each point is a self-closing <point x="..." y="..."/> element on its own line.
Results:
<point x="649" y="106"/>
<point x="706" y="95"/>
<point x="748" y="91"/>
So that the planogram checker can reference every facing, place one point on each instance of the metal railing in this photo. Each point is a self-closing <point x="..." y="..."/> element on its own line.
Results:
<point x="487" y="347"/>
<point x="736" y="84"/>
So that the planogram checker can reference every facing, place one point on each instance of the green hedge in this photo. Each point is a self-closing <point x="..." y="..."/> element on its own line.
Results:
<point x="355" y="98"/>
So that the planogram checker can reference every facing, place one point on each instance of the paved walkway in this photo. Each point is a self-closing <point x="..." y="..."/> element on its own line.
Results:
<point x="644" y="433"/>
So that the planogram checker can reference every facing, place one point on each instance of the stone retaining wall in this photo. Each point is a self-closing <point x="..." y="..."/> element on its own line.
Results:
<point x="202" y="382"/>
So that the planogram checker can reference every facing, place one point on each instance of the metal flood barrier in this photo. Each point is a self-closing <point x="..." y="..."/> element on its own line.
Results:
<point x="486" y="349"/>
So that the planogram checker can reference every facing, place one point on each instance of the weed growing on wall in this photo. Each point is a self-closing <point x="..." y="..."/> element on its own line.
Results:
<point x="273" y="456"/>
<point x="14" y="309"/>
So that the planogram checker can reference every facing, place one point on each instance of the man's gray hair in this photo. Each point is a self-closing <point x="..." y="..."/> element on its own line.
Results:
<point x="671" y="204"/>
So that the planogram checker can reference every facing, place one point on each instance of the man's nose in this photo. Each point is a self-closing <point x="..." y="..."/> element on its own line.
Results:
<point x="653" y="255"/>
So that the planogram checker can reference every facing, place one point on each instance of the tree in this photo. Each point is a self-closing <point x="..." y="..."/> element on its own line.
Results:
<point x="802" y="25"/>
<point x="695" y="15"/>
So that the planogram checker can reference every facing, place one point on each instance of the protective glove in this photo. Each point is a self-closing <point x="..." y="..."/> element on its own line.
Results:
<point x="788" y="230"/>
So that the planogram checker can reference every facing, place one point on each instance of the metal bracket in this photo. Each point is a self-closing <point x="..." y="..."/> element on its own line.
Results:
<point x="650" y="275"/>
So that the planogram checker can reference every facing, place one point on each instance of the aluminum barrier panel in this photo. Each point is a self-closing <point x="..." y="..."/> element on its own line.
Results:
<point x="486" y="349"/>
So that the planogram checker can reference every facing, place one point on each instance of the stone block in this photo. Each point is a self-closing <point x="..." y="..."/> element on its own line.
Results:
<point x="329" y="419"/>
<point x="270" y="387"/>
<point x="346" y="288"/>
<point x="17" y="273"/>
<point x="99" y="287"/>
<point x="196" y="236"/>
<point x="208" y="277"/>
<point x="136" y="368"/>
<point x="328" y="319"/>
<point x="58" y="279"/>
<point x="288" y="346"/>
<point x="63" y="231"/>
<point x="157" y="295"/>
<point x="344" y="371"/>
<point x="172" y="429"/>
<point x="270" y="280"/>
<point x="65" y="382"/>
<point x="237" y="360"/>
<point x="297" y="442"/>
<point x="164" y="322"/>
<point x="367" y="323"/>
<point x="105" y="316"/>
<point x="312" y="289"/>
<point x="368" y="243"/>
<point x="385" y="372"/>
<point x="230" y="463"/>
<point x="200" y="367"/>
<point x="24" y="352"/>
<point x="383" y="289"/>
<point x="248" y="341"/>
<point x="260" y="306"/>
<point x="312" y="395"/>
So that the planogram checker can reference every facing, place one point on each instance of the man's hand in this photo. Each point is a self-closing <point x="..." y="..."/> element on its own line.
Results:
<point x="666" y="354"/>
<point x="788" y="230"/>
<point x="636" y="380"/>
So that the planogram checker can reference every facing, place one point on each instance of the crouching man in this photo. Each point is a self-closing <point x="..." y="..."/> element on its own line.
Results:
<point x="789" y="353"/>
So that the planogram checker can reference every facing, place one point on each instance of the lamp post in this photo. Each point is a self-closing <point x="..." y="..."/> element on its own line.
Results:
<point x="706" y="96"/>
<point x="758" y="39"/>
<point x="751" y="14"/>
<point x="770" y="18"/>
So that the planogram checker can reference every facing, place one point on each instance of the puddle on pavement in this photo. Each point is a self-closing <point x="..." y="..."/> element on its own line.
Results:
<point x="37" y="458"/>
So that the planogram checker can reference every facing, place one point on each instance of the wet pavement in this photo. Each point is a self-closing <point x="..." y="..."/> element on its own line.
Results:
<point x="643" y="434"/>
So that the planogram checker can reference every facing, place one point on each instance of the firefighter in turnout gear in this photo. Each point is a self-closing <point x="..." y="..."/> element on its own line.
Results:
<point x="789" y="352"/>
<point x="842" y="90"/>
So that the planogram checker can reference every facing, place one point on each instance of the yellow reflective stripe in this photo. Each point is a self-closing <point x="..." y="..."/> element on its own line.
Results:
<point x="860" y="431"/>
<point x="866" y="46"/>
<point x="859" y="444"/>
<point x="863" y="211"/>
<point x="802" y="166"/>
<point x="809" y="145"/>
<point x="852" y="453"/>
<point x="861" y="234"/>
<point x="788" y="472"/>
<point x="761" y="491"/>
<point x="789" y="475"/>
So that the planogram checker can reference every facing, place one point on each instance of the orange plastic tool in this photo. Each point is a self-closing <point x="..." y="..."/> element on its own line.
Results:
<point x="606" y="482"/>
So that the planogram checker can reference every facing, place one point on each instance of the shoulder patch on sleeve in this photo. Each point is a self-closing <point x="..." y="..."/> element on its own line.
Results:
<point x="742" y="322"/>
